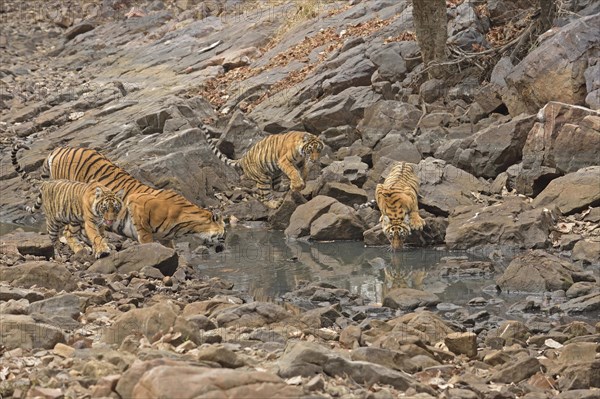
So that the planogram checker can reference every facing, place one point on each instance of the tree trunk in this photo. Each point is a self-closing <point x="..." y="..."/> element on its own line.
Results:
<point x="431" y="29"/>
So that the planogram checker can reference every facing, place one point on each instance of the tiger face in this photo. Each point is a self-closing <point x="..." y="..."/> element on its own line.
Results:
<point x="107" y="205"/>
<point x="395" y="230"/>
<point x="311" y="147"/>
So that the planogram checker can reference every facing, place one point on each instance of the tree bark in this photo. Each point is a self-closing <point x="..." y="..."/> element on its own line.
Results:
<point x="431" y="30"/>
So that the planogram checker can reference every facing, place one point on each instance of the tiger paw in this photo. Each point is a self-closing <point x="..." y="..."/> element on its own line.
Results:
<point x="297" y="185"/>
<point x="416" y="222"/>
<point x="101" y="252"/>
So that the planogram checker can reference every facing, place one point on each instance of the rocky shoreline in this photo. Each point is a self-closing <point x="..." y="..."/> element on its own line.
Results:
<point x="506" y="152"/>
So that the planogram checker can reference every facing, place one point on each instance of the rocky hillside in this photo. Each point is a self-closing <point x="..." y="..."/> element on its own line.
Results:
<point x="507" y="150"/>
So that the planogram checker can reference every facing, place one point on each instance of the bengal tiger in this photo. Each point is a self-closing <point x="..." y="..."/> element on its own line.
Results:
<point x="396" y="198"/>
<point x="152" y="214"/>
<point x="266" y="160"/>
<point x="76" y="205"/>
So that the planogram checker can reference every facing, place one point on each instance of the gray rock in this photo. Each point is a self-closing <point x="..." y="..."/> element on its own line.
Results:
<point x="385" y="116"/>
<point x="462" y="343"/>
<point x="537" y="271"/>
<point x="554" y="71"/>
<point x="573" y="192"/>
<point x="20" y="331"/>
<point x="583" y="375"/>
<point x="221" y="355"/>
<point x="389" y="358"/>
<point x="347" y="194"/>
<point x="305" y="214"/>
<point x="517" y="371"/>
<point x="582" y="288"/>
<point x="587" y="250"/>
<point x="339" y="223"/>
<point x="254" y="314"/>
<point x="30" y="243"/>
<point x="279" y="218"/>
<point x="13" y="293"/>
<point x="79" y="29"/>
<point x="444" y="187"/>
<point x="139" y="256"/>
<point x="409" y="299"/>
<point x="41" y="274"/>
<point x="351" y="167"/>
<point x="512" y="224"/>
<point x="60" y="307"/>
<point x="582" y="304"/>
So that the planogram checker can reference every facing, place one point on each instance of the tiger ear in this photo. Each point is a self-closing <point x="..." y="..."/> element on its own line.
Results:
<point x="98" y="192"/>
<point x="306" y="137"/>
<point x="120" y="194"/>
<point x="386" y="219"/>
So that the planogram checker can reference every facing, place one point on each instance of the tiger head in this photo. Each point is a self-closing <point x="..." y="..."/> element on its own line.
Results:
<point x="311" y="147"/>
<point x="107" y="205"/>
<point x="396" y="230"/>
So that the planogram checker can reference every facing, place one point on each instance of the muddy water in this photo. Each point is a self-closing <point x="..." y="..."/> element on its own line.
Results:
<point x="266" y="265"/>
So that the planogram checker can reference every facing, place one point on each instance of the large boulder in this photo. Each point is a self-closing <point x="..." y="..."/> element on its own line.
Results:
<point x="537" y="271"/>
<point x="305" y="214"/>
<point x="21" y="331"/>
<point x="573" y="192"/>
<point x="385" y="116"/>
<point x="492" y="150"/>
<point x="137" y="257"/>
<point x="30" y="243"/>
<point x="409" y="299"/>
<point x="444" y="187"/>
<point x="554" y="71"/>
<point x="565" y="139"/>
<point x="509" y="225"/>
<point x="50" y="275"/>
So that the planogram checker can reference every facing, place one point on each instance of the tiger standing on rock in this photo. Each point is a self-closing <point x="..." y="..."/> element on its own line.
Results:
<point x="396" y="198"/>
<point x="281" y="153"/>
<point x="76" y="205"/>
<point x="151" y="214"/>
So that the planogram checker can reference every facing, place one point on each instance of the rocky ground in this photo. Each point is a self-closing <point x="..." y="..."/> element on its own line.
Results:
<point x="507" y="152"/>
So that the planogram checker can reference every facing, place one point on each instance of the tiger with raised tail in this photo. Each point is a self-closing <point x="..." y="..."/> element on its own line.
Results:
<point x="396" y="199"/>
<point x="77" y="205"/>
<point x="273" y="156"/>
<point x="152" y="214"/>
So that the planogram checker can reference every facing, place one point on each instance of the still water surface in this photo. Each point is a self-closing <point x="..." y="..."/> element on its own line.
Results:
<point x="265" y="264"/>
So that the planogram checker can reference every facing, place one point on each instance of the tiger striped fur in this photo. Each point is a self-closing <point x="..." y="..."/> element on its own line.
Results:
<point x="152" y="214"/>
<point x="397" y="199"/>
<point x="77" y="205"/>
<point x="273" y="156"/>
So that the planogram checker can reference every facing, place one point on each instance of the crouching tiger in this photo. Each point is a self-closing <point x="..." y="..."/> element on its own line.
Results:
<point x="77" y="205"/>
<point x="266" y="160"/>
<point x="396" y="199"/>
<point x="152" y="214"/>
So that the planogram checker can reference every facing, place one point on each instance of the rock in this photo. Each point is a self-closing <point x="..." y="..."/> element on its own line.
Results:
<point x="582" y="375"/>
<point x="409" y="299"/>
<point x="537" y="271"/>
<point x="337" y="137"/>
<point x="517" y="371"/>
<point x="502" y="12"/>
<point x="389" y="62"/>
<point x="148" y="321"/>
<point x="563" y="140"/>
<point x="221" y="355"/>
<point x="493" y="149"/>
<point x="248" y="210"/>
<point x="573" y="192"/>
<point x="398" y="147"/>
<point x="20" y="331"/>
<point x="339" y="223"/>
<point x="305" y="214"/>
<point x="305" y="359"/>
<point x="586" y="303"/>
<point x="279" y="218"/>
<point x="364" y="372"/>
<point x="587" y="250"/>
<point x="389" y="358"/>
<point x="581" y="288"/>
<point x="432" y="89"/>
<point x="8" y="293"/>
<point x="444" y="187"/>
<point x="29" y="243"/>
<point x="137" y="257"/>
<point x="347" y="194"/>
<point x="188" y="381"/>
<point x="350" y="337"/>
<point x="39" y="273"/>
<point x="351" y="167"/>
<point x="385" y="116"/>
<point x="63" y="350"/>
<point x="462" y="343"/>
<point x="509" y="225"/>
<point x="78" y="29"/>
<point x="254" y="314"/>
<point x="64" y="310"/>
<point x="45" y="393"/>
<point x="554" y="71"/>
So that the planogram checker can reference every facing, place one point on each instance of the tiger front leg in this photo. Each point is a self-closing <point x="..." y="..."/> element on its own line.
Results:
<point x="416" y="221"/>
<point x="100" y="247"/>
<point x="296" y="181"/>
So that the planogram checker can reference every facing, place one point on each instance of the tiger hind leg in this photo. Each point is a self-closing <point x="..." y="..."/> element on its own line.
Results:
<point x="54" y="228"/>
